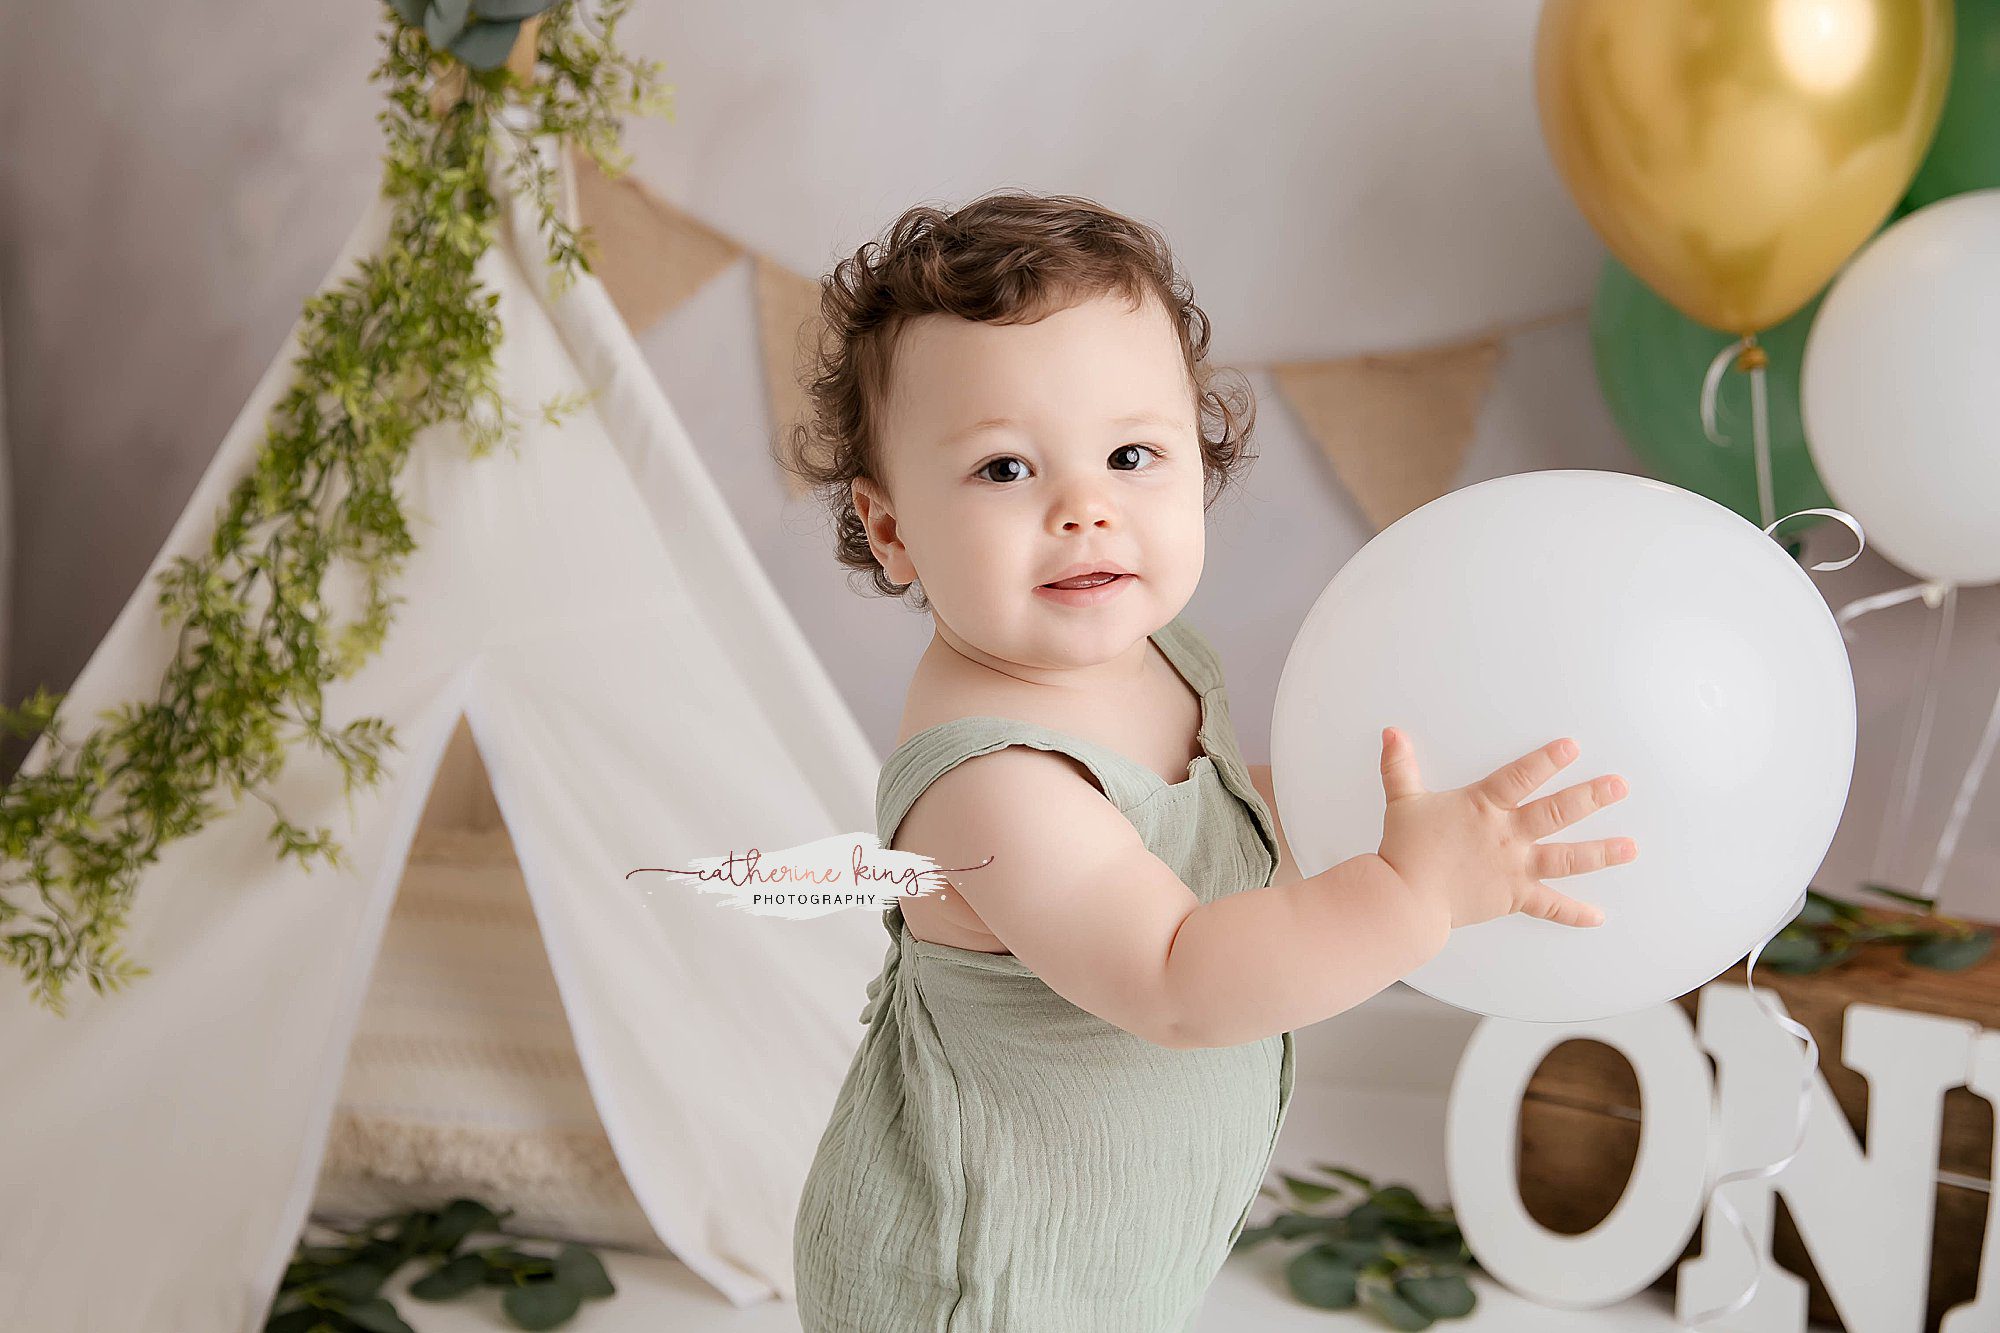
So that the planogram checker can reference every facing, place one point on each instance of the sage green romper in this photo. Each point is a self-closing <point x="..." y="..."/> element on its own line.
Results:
<point x="998" y="1159"/>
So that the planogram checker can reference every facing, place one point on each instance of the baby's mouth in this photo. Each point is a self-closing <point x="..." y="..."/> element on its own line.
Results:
<point x="1087" y="580"/>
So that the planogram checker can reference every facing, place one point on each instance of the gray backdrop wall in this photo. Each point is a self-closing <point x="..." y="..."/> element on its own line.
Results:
<point x="175" y="177"/>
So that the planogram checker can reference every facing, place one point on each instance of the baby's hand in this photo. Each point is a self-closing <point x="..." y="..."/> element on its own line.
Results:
<point x="1477" y="845"/>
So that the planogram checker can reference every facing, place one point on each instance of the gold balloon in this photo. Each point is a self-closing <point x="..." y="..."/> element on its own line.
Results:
<point x="1734" y="153"/>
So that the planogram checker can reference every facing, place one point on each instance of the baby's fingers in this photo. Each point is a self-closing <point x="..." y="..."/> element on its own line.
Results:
<point x="1510" y="784"/>
<point x="1399" y="766"/>
<point x="1553" y="860"/>
<point x="1545" y="902"/>
<point x="1554" y="813"/>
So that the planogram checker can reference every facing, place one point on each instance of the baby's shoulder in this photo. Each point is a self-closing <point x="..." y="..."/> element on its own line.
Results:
<point x="980" y="757"/>
<point x="958" y="764"/>
<point x="1014" y="790"/>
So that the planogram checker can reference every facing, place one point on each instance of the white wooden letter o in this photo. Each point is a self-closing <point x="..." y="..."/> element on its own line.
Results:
<point x="1644" y="1235"/>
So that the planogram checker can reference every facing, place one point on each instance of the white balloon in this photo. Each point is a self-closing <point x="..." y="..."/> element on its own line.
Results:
<point x="1900" y="390"/>
<point x="1677" y="644"/>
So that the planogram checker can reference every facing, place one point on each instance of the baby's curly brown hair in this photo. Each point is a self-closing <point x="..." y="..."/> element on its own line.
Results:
<point x="1007" y="257"/>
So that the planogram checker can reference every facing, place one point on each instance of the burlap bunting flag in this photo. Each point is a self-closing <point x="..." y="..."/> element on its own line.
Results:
<point x="1394" y="425"/>
<point x="650" y="255"/>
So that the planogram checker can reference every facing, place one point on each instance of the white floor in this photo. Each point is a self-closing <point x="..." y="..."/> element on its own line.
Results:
<point x="1249" y="1294"/>
<point x="1371" y="1096"/>
<point x="658" y="1294"/>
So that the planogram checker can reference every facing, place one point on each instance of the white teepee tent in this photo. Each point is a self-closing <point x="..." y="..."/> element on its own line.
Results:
<point x="639" y="695"/>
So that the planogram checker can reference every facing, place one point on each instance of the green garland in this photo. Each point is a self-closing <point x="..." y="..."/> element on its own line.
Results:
<point x="404" y="344"/>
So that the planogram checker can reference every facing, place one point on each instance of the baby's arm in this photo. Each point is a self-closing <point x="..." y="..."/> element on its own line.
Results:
<point x="1076" y="895"/>
<point x="1274" y="959"/>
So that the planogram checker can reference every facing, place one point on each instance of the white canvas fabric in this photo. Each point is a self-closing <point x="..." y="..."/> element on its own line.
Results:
<point x="463" y="1077"/>
<point x="639" y="695"/>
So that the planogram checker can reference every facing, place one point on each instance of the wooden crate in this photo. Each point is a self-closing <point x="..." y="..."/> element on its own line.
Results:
<point x="1579" y="1133"/>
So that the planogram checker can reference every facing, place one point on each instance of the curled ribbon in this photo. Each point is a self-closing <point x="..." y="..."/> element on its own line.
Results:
<point x="1745" y="353"/>
<point x="1811" y="1067"/>
<point x="1712" y="381"/>
<point x="1860" y="542"/>
<point x="1771" y="1011"/>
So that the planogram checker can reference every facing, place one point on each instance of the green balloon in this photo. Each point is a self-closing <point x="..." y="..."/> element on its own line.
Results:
<point x="1651" y="360"/>
<point x="1965" y="153"/>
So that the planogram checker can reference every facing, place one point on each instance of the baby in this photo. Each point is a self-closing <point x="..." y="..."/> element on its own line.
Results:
<point x="1079" y="1050"/>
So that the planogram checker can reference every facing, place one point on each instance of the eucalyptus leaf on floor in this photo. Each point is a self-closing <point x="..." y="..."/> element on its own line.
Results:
<point x="1381" y="1249"/>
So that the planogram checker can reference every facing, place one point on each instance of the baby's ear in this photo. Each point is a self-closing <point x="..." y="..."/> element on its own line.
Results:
<point x="880" y="525"/>
<point x="869" y="508"/>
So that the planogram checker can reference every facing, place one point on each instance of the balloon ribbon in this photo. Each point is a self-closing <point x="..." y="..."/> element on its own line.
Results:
<point x="1746" y="354"/>
<point x="1776" y="1015"/>
<point x="1804" y="1113"/>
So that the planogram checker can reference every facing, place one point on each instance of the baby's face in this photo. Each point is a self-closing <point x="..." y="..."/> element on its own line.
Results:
<point x="1102" y="462"/>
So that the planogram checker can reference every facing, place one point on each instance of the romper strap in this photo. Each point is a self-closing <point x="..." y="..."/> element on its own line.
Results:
<point x="1190" y="652"/>
<point x="924" y="757"/>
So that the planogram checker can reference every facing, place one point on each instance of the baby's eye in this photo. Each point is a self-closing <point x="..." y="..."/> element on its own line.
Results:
<point x="985" y="468"/>
<point x="984" y="471"/>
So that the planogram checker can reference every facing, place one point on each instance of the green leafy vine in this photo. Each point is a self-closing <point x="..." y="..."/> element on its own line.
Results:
<point x="404" y="344"/>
